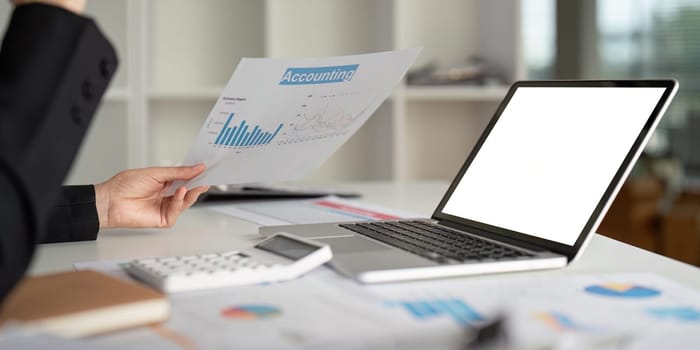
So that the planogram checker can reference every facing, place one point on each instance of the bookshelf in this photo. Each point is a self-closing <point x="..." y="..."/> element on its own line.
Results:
<point x="176" y="56"/>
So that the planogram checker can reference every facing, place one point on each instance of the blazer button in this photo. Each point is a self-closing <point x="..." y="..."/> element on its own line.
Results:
<point x="88" y="90"/>
<point x="106" y="68"/>
<point x="76" y="115"/>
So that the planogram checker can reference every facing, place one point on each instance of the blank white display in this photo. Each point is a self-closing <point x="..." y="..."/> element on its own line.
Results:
<point x="550" y="157"/>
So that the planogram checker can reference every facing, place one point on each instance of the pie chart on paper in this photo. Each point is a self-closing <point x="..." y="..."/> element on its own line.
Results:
<point x="251" y="312"/>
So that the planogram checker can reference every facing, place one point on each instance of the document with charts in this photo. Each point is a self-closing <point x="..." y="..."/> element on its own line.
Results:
<point x="279" y="119"/>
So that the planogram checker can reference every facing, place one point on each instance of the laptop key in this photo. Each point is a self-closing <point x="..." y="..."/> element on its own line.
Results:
<point x="433" y="242"/>
<point x="397" y="243"/>
<point x="387" y="239"/>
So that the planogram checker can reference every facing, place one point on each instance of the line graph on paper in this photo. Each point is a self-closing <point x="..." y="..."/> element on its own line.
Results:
<point x="320" y="118"/>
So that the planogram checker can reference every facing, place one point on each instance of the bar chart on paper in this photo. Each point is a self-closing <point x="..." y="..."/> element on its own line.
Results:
<point x="460" y="312"/>
<point x="244" y="134"/>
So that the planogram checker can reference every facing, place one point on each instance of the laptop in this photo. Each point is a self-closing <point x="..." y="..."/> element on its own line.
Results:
<point x="530" y="194"/>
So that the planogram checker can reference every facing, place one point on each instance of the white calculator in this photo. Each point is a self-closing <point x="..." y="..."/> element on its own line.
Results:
<point x="281" y="257"/>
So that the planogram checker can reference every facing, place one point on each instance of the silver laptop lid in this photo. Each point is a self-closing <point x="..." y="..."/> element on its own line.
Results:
<point x="552" y="159"/>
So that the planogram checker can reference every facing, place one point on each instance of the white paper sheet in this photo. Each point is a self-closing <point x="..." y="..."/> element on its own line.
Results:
<point x="33" y="341"/>
<point x="279" y="119"/>
<point x="309" y="211"/>
<point x="602" y="311"/>
<point x="321" y="310"/>
<point x="307" y="313"/>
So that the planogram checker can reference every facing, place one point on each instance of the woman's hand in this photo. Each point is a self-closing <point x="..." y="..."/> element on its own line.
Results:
<point x="133" y="198"/>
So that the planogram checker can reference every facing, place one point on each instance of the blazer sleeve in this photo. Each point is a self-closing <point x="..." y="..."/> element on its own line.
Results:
<point x="54" y="68"/>
<point x="74" y="218"/>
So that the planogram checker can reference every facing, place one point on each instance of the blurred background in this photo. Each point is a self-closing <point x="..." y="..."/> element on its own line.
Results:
<point x="176" y="56"/>
<point x="659" y="206"/>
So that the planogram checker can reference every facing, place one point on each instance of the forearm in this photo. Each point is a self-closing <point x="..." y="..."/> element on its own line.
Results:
<point x="102" y="198"/>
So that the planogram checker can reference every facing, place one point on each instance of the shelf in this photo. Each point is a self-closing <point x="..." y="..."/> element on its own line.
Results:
<point x="177" y="56"/>
<point x="202" y="93"/>
<point x="116" y="95"/>
<point x="304" y="28"/>
<point x="455" y="93"/>
<point x="445" y="29"/>
<point x="199" y="43"/>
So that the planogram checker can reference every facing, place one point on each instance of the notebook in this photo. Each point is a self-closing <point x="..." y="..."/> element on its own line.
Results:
<point x="529" y="195"/>
<point x="82" y="303"/>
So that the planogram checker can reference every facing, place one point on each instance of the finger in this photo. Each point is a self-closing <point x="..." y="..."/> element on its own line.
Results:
<point x="166" y="174"/>
<point x="174" y="207"/>
<point x="193" y="194"/>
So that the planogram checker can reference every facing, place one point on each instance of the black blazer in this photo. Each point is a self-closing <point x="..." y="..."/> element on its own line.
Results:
<point x="54" y="68"/>
<point x="74" y="218"/>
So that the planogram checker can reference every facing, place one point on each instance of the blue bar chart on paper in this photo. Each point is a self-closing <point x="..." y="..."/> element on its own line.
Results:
<point x="244" y="135"/>
<point x="458" y="310"/>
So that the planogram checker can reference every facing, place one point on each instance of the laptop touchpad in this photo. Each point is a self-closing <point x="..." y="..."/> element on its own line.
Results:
<point x="344" y="245"/>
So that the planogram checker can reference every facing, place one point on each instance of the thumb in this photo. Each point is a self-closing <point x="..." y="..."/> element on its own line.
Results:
<point x="167" y="174"/>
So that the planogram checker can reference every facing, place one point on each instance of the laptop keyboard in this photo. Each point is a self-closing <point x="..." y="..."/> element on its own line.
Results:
<point x="434" y="241"/>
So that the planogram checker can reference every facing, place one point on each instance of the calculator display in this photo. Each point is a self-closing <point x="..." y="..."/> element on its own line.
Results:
<point x="287" y="247"/>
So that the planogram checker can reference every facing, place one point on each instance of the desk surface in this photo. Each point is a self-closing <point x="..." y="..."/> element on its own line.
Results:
<point x="200" y="230"/>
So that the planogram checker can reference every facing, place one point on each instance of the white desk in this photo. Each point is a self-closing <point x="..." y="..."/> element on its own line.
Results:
<point x="199" y="230"/>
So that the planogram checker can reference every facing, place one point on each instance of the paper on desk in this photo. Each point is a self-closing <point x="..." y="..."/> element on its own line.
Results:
<point x="279" y="119"/>
<point x="321" y="310"/>
<point x="307" y="313"/>
<point x="324" y="310"/>
<point x="620" y="311"/>
<point x="18" y="339"/>
<point x="22" y="338"/>
<point x="308" y="211"/>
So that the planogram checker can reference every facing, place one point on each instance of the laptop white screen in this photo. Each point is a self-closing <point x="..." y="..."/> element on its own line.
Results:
<point x="550" y="157"/>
